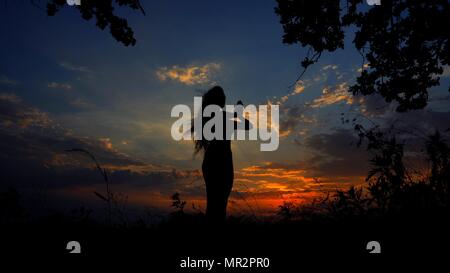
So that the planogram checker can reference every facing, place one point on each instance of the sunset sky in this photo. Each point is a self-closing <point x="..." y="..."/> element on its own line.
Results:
<point x="66" y="84"/>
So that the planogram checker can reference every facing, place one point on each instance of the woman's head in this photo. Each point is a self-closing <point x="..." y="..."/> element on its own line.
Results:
<point x="214" y="96"/>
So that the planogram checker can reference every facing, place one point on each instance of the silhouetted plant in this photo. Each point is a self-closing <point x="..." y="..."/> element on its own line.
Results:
<point x="115" y="201"/>
<point x="11" y="210"/>
<point x="287" y="210"/>
<point x="348" y="203"/>
<point x="438" y="154"/>
<point x="82" y="214"/>
<point x="104" y="13"/>
<point x="177" y="203"/>
<point x="399" y="64"/>
<point x="387" y="174"/>
<point x="390" y="190"/>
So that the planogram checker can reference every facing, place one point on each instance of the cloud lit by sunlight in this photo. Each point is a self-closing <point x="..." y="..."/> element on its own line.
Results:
<point x="189" y="75"/>
<point x="332" y="96"/>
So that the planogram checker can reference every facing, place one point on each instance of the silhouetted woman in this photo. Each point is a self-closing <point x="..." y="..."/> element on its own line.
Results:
<point x="217" y="164"/>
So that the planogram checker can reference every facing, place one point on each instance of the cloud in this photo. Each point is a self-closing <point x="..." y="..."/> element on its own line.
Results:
<point x="56" y="85"/>
<point x="9" y="97"/>
<point x="374" y="105"/>
<point x="7" y="81"/>
<point x="33" y="151"/>
<point x="337" y="154"/>
<point x="30" y="140"/>
<point x="330" y="67"/>
<point x="332" y="96"/>
<point x="422" y="122"/>
<point x="74" y="68"/>
<point x="293" y="117"/>
<point x="446" y="72"/>
<point x="299" y="87"/>
<point x="105" y="142"/>
<point x="278" y="172"/>
<point x="28" y="135"/>
<point x="270" y="183"/>
<point x="364" y="67"/>
<point x="16" y="116"/>
<point x="189" y="75"/>
<point x="81" y="103"/>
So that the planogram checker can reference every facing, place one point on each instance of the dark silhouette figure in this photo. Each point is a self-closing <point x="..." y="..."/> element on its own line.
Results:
<point x="217" y="164"/>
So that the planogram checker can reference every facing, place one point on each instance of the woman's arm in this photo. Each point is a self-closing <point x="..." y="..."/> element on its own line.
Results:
<point x="248" y="124"/>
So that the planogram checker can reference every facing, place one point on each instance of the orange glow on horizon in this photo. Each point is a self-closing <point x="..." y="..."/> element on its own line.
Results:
<point x="258" y="190"/>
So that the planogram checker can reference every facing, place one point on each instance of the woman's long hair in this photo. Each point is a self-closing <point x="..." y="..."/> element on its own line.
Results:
<point x="213" y="96"/>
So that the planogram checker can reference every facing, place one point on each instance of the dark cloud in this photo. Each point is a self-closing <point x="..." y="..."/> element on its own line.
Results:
<point x="337" y="154"/>
<point x="33" y="151"/>
<point x="423" y="121"/>
<point x="294" y="117"/>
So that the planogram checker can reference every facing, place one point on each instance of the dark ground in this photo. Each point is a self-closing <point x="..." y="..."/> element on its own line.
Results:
<point x="290" y="246"/>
